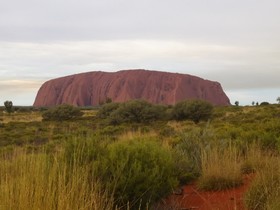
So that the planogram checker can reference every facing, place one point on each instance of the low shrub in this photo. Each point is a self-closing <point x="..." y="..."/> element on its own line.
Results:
<point x="264" y="103"/>
<point x="139" y="172"/>
<point x="62" y="112"/>
<point x="195" y="110"/>
<point x="134" y="111"/>
<point x="106" y="110"/>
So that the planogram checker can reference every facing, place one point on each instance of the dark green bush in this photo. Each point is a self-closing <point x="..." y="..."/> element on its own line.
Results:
<point x="62" y="112"/>
<point x="264" y="103"/>
<point x="138" y="172"/>
<point x="195" y="110"/>
<point x="136" y="111"/>
<point x="106" y="110"/>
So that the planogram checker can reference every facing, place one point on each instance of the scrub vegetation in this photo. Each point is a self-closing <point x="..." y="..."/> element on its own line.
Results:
<point x="134" y="154"/>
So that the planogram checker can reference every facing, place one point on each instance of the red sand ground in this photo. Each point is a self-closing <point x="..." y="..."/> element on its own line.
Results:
<point x="194" y="199"/>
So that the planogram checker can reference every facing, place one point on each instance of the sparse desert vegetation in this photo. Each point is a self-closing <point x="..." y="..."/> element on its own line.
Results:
<point x="133" y="155"/>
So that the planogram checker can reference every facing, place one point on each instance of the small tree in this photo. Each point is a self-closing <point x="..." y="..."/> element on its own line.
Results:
<point x="278" y="100"/>
<point x="8" y="106"/>
<point x="195" y="110"/>
<point x="236" y="103"/>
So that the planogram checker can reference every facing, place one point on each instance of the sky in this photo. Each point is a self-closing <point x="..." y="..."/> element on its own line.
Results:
<point x="234" y="42"/>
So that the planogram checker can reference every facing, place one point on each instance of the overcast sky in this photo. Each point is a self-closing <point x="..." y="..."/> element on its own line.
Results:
<point x="234" y="42"/>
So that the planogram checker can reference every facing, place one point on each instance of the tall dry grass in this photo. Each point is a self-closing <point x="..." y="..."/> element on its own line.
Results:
<point x="220" y="168"/>
<point x="264" y="192"/>
<point x="40" y="181"/>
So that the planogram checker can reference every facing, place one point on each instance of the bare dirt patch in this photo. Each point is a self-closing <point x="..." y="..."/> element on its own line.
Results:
<point x="192" y="198"/>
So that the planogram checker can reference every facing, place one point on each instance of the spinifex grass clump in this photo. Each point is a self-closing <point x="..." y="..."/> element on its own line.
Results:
<point x="254" y="159"/>
<point x="40" y="181"/>
<point x="220" y="169"/>
<point x="264" y="192"/>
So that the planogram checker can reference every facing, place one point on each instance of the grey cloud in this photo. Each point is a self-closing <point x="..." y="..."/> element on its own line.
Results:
<point x="7" y="85"/>
<point x="247" y="79"/>
<point x="234" y="66"/>
<point x="21" y="92"/>
<point x="217" y="20"/>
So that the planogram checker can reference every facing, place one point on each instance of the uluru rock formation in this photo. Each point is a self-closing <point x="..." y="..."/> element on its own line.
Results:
<point x="93" y="88"/>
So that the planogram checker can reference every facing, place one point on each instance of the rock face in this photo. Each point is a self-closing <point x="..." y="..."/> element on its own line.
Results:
<point x="93" y="88"/>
